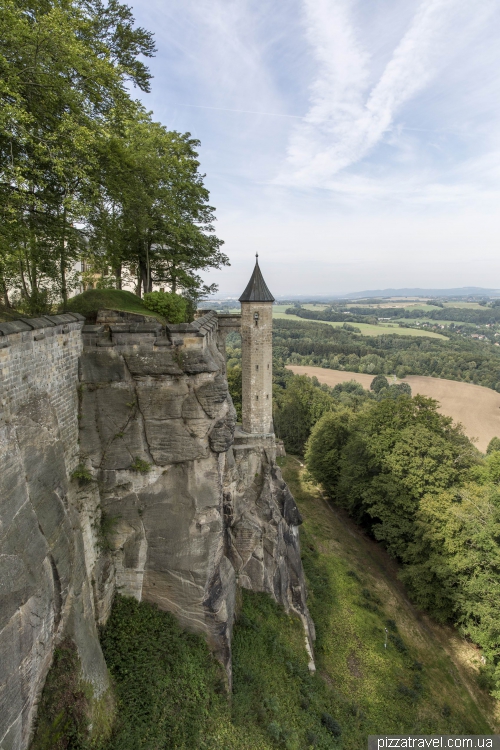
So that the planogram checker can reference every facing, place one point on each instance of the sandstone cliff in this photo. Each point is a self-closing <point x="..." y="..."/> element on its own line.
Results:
<point x="174" y="504"/>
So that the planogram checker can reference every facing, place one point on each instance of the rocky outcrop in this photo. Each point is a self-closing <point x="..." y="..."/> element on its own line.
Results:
<point x="195" y="509"/>
<point x="170" y="501"/>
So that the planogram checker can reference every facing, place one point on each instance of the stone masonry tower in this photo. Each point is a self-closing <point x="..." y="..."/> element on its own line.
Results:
<point x="257" y="355"/>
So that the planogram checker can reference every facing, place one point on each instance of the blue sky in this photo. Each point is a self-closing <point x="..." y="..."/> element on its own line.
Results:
<point x="353" y="144"/>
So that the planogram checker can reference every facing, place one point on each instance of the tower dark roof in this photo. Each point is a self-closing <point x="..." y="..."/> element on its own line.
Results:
<point x="257" y="290"/>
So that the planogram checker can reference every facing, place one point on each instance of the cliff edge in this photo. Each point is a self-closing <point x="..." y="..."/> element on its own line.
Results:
<point x="170" y="501"/>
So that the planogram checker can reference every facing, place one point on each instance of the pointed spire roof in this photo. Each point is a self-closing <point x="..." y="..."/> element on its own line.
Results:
<point x="257" y="290"/>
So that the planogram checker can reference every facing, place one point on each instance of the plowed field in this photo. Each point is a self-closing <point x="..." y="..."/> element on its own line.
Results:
<point x="476" y="407"/>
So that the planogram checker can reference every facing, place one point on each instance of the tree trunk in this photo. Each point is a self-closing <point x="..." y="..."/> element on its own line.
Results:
<point x="5" y="292"/>
<point x="118" y="276"/>
<point x="64" y="290"/>
<point x="143" y="277"/>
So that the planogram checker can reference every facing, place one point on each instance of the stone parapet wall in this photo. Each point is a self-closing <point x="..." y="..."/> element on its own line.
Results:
<point x="40" y="355"/>
<point x="45" y="593"/>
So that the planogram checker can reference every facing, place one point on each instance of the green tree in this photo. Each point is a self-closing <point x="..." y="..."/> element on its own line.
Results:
<point x="324" y="447"/>
<point x="493" y="445"/>
<point x="452" y="566"/>
<point x="296" y="409"/>
<point x="153" y="217"/>
<point x="64" y="66"/>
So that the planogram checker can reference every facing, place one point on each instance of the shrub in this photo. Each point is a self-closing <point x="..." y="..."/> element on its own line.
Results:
<point x="82" y="474"/>
<point x="331" y="725"/>
<point x="398" y="643"/>
<point x="274" y="730"/>
<point x="63" y="713"/>
<point x="140" y="466"/>
<point x="106" y="530"/>
<point x="168" y="685"/>
<point x="172" y="306"/>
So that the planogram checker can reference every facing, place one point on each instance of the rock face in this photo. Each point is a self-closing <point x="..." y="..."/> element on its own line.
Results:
<point x="195" y="510"/>
<point x="181" y="508"/>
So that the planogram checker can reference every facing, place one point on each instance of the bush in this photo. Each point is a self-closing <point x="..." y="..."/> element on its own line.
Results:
<point x="172" y="306"/>
<point x="331" y="725"/>
<point x="168" y="685"/>
<point x="82" y="474"/>
<point x="274" y="730"/>
<point x="140" y="466"/>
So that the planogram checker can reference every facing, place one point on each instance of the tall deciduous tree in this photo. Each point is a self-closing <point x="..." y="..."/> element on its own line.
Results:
<point x="64" y="67"/>
<point x="153" y="215"/>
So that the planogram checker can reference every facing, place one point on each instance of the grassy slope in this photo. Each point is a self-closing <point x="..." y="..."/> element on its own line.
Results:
<point x="361" y="592"/>
<point x="88" y="303"/>
<point x="367" y="329"/>
<point x="169" y="689"/>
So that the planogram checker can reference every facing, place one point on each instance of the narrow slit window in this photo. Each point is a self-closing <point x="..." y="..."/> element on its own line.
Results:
<point x="256" y="398"/>
<point x="256" y="367"/>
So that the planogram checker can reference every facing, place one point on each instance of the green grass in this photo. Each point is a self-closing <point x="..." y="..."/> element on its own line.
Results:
<point x="6" y="315"/>
<point x="379" y="308"/>
<point x="90" y="302"/>
<point x="425" y="681"/>
<point x="466" y="305"/>
<point x="171" y="693"/>
<point x="432" y="321"/>
<point x="367" y="329"/>
<point x="310" y="307"/>
<point x="68" y="716"/>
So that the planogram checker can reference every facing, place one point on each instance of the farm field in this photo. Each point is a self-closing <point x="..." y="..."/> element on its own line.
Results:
<point x="476" y="407"/>
<point x="367" y="329"/>
<point x="431" y="320"/>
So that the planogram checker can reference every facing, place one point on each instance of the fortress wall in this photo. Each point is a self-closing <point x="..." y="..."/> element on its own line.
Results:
<point x="40" y="357"/>
<point x="44" y="586"/>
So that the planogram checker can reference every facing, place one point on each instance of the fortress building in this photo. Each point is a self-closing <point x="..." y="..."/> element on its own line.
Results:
<point x="257" y="355"/>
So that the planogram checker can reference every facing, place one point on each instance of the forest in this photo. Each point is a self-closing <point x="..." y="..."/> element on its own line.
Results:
<point x="463" y="359"/>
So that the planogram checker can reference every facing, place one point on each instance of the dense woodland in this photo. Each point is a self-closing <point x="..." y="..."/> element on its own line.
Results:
<point x="85" y="173"/>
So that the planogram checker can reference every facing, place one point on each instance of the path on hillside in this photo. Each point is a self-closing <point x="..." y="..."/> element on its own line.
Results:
<point x="476" y="407"/>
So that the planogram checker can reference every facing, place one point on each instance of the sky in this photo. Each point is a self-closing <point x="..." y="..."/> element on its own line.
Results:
<point x="354" y="144"/>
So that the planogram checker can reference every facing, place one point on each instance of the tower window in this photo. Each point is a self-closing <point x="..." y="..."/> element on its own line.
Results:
<point x="268" y="367"/>
<point x="256" y="398"/>
<point x="267" y="395"/>
<point x="256" y="367"/>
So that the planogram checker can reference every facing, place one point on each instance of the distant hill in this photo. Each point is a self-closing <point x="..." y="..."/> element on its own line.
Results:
<point x="465" y="291"/>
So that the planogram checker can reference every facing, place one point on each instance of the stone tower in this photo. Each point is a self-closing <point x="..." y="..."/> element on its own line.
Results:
<point x="257" y="355"/>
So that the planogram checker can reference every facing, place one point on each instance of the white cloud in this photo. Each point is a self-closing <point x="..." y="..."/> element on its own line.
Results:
<point x="349" y="114"/>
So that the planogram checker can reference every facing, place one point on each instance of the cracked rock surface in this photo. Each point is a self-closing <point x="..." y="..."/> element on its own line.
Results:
<point x="205" y="514"/>
<point x="171" y="507"/>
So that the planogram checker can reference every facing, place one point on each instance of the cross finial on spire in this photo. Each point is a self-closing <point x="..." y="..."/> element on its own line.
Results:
<point x="256" y="257"/>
